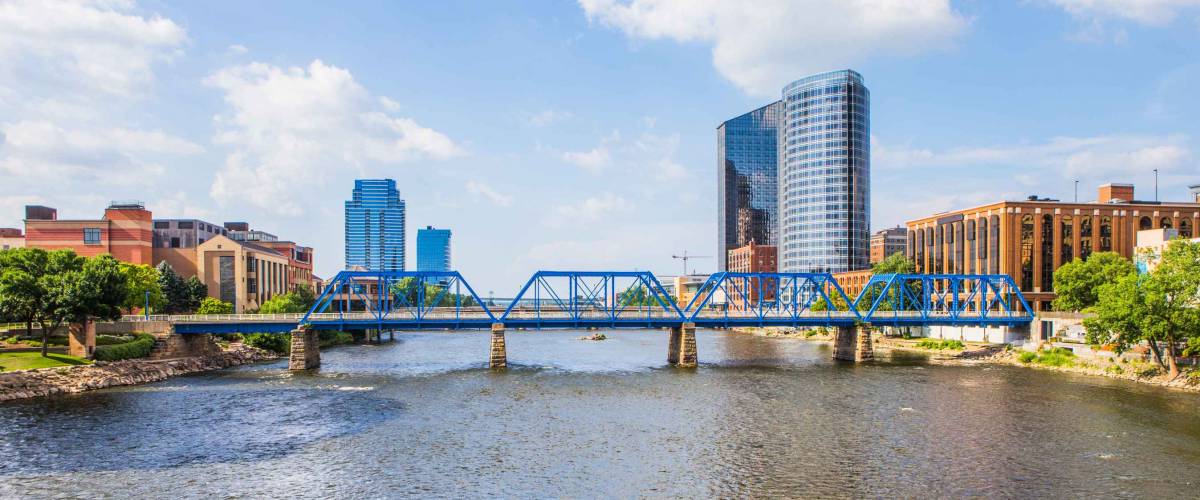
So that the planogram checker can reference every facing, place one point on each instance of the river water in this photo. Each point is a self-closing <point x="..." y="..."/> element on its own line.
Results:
<point x="424" y="417"/>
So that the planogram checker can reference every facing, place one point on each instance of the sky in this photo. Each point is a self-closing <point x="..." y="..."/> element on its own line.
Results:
<point x="564" y="135"/>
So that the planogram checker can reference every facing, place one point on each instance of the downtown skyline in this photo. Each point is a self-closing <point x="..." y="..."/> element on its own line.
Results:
<point x="567" y="123"/>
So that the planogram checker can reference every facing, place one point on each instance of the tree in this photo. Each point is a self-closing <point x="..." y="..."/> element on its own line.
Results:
<point x="175" y="291"/>
<point x="406" y="291"/>
<point x="214" y="306"/>
<point x="1159" y="307"/>
<point x="21" y="294"/>
<point x="79" y="290"/>
<point x="287" y="303"/>
<point x="142" y="281"/>
<point x="306" y="295"/>
<point x="1077" y="283"/>
<point x="896" y="263"/>
<point x="196" y="292"/>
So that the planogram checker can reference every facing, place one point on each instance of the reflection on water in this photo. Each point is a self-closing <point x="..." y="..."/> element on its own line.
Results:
<point x="766" y="417"/>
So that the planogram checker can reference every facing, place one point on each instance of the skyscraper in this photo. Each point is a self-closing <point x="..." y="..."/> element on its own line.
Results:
<point x="747" y="178"/>
<point x="433" y="249"/>
<point x="825" y="174"/>
<point x="375" y="226"/>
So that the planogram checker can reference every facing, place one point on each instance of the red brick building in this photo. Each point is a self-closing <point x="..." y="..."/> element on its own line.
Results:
<point x="125" y="231"/>
<point x="751" y="258"/>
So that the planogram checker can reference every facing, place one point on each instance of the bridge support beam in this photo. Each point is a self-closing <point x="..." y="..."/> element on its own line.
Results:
<point x="681" y="346"/>
<point x="306" y="351"/>
<point x="853" y="343"/>
<point x="499" y="357"/>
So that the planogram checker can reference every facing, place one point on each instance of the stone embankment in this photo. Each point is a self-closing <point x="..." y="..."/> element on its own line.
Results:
<point x="75" y="379"/>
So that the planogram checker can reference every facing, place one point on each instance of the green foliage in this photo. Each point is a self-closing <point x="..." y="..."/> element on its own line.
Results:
<point x="408" y="293"/>
<point x="329" y="338"/>
<point x="306" y="295"/>
<point x="1159" y="307"/>
<point x="1077" y="283"/>
<point x="639" y="296"/>
<point x="141" y="280"/>
<point x="280" y="343"/>
<point x="214" y="306"/>
<point x="112" y="339"/>
<point x="180" y="296"/>
<point x="196" y="292"/>
<point x="896" y="263"/>
<point x="1027" y="357"/>
<point x="140" y="347"/>
<point x="942" y="344"/>
<point x="290" y="302"/>
<point x="1056" y="357"/>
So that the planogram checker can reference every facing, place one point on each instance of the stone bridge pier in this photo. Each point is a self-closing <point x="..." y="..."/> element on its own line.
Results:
<point x="681" y="346"/>
<point x="306" y="350"/>
<point x="853" y="343"/>
<point x="499" y="356"/>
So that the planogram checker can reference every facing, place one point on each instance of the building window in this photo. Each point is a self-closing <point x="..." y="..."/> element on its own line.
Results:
<point x="91" y="236"/>
<point x="162" y="224"/>
<point x="186" y="224"/>
<point x="920" y="250"/>
<point x="971" y="240"/>
<point x="957" y="227"/>
<point x="1144" y="223"/>
<point x="1067" y="252"/>
<point x="226" y="280"/>
<point x="251" y="285"/>
<point x="1106" y="234"/>
<point x="938" y="248"/>
<point x="994" y="246"/>
<point x="1085" y="237"/>
<point x="1047" y="253"/>
<point x="1165" y="223"/>
<point x="174" y="242"/>
<point x="1026" y="253"/>
<point x="1185" y="228"/>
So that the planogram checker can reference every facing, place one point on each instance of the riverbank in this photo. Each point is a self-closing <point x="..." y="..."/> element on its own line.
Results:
<point x="99" y="375"/>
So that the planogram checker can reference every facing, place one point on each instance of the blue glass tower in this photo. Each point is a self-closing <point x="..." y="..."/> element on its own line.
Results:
<point x="433" y="249"/>
<point x="747" y="176"/>
<point x="375" y="226"/>
<point x="825" y="174"/>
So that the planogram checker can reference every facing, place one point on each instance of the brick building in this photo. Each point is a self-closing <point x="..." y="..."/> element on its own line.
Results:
<point x="887" y="242"/>
<point x="11" y="237"/>
<point x="123" y="232"/>
<point x="750" y="258"/>
<point x="1030" y="239"/>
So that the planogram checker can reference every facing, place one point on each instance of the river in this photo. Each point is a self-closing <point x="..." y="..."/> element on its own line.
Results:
<point x="424" y="417"/>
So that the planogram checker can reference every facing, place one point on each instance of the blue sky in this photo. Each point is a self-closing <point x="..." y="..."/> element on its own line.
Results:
<point x="571" y="135"/>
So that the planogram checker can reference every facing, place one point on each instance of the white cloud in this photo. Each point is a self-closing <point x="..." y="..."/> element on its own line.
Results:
<point x="237" y="50"/>
<point x="659" y="154"/>
<point x="548" y="117"/>
<point x="479" y="189"/>
<point x="291" y="129"/>
<point x="591" y="209"/>
<point x="1144" y="12"/>
<point x="94" y="45"/>
<point x="593" y="160"/>
<point x="762" y="48"/>
<point x="1084" y="157"/>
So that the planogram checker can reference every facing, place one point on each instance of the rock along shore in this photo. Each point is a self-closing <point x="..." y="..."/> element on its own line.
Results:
<point x="75" y="379"/>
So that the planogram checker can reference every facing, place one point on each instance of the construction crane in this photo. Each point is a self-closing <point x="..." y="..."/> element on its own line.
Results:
<point x="685" y="257"/>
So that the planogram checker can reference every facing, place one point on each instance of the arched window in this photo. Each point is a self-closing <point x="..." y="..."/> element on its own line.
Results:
<point x="1026" y="253"/>
<point x="1067" y="249"/>
<point x="1185" y="228"/>
<point x="1165" y="223"/>
<point x="920" y="250"/>
<point x="971" y="246"/>
<point x="1144" y="223"/>
<point x="1085" y="237"/>
<point x="1047" y="253"/>
<point x="1106" y="234"/>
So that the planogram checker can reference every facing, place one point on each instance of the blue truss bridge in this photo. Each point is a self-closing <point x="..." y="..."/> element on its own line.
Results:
<point x="412" y="300"/>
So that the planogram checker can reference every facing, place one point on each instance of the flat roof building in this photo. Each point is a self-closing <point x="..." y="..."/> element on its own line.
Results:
<point x="887" y="242"/>
<point x="124" y="231"/>
<point x="433" y="249"/>
<point x="1030" y="239"/>
<point x="375" y="226"/>
<point x="748" y="180"/>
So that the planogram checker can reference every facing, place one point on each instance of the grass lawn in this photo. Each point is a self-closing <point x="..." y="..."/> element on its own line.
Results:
<point x="10" y="361"/>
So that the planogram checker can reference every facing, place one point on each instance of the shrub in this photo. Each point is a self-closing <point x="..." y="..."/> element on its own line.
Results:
<point x="280" y="343"/>
<point x="139" y="347"/>
<point x="940" y="344"/>
<point x="1026" y="357"/>
<point x="214" y="306"/>
<point x="113" y="339"/>
<point x="1056" y="357"/>
<point x="1114" y="369"/>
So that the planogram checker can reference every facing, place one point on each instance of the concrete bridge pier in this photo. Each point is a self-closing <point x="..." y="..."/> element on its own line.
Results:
<point x="306" y="351"/>
<point x="681" y="346"/>
<point x="853" y="343"/>
<point x="499" y="357"/>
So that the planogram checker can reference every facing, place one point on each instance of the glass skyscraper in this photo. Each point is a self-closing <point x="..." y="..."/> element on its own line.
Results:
<point x="375" y="226"/>
<point x="433" y="249"/>
<point x="825" y="174"/>
<point x="747" y="172"/>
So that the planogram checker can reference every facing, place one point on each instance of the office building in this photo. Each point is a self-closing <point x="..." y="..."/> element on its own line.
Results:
<point x="1030" y="239"/>
<point x="433" y="249"/>
<point x="887" y="242"/>
<point x="240" y="231"/>
<point x="752" y="258"/>
<point x="824" y="174"/>
<point x="124" y="232"/>
<point x="242" y="273"/>
<point x="747" y="180"/>
<point x="375" y="226"/>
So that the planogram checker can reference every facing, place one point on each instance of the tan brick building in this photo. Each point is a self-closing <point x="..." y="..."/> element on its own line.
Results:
<point x="887" y="242"/>
<point x="1030" y="239"/>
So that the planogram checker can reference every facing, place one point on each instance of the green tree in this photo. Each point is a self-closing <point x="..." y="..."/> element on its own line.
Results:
<point x="407" y="289"/>
<point x="142" y="281"/>
<point x="896" y="263"/>
<point x="21" y="294"/>
<point x="1159" y="307"/>
<point x="306" y="295"/>
<point x="214" y="306"/>
<point x="283" y="304"/>
<point x="80" y="290"/>
<point x="1077" y="283"/>
<point x="196" y="292"/>
<point x="176" y="295"/>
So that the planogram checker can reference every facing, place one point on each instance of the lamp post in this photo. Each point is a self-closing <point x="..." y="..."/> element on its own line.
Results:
<point x="146" y="309"/>
<point x="1156" y="184"/>
<point x="1076" y="190"/>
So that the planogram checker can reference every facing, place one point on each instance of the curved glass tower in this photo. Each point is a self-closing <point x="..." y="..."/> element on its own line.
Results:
<point x="747" y="172"/>
<point x="375" y="226"/>
<point x="825" y="174"/>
